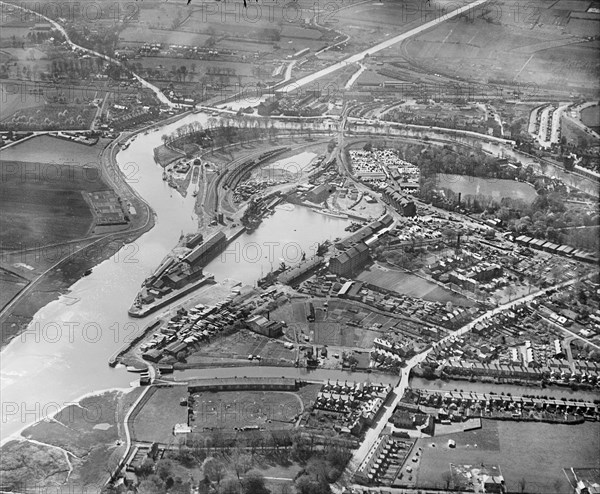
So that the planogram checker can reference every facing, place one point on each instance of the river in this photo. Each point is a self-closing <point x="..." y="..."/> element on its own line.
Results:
<point x="283" y="237"/>
<point x="63" y="353"/>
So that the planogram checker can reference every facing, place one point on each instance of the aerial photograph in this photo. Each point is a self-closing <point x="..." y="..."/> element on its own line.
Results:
<point x="300" y="246"/>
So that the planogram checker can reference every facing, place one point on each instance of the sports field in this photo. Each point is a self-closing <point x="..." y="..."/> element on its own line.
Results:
<point x="238" y="409"/>
<point x="494" y="189"/>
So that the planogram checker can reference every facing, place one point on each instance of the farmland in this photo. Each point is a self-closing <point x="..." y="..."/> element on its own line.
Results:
<point x="42" y="201"/>
<point x="542" y="48"/>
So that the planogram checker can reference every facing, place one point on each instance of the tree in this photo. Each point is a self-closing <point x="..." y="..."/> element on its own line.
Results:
<point x="146" y="468"/>
<point x="241" y="462"/>
<point x="151" y="485"/>
<point x="164" y="469"/>
<point x="230" y="486"/>
<point x="254" y="483"/>
<point x="214" y="470"/>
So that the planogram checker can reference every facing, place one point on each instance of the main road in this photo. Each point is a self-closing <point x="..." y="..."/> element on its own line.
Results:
<point x="381" y="46"/>
<point x="373" y="433"/>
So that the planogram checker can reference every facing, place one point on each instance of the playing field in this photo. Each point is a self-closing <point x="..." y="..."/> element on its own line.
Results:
<point x="494" y="189"/>
<point x="239" y="409"/>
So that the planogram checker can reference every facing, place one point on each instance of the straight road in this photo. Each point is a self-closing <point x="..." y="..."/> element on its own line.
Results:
<point x="381" y="46"/>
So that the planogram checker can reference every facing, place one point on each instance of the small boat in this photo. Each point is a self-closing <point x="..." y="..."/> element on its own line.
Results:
<point x="195" y="193"/>
<point x="87" y="272"/>
<point x="165" y="176"/>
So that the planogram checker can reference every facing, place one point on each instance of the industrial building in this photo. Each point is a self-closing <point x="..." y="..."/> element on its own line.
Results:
<point x="204" y="253"/>
<point x="399" y="201"/>
<point x="320" y="193"/>
<point x="261" y="325"/>
<point x="351" y="261"/>
<point x="243" y="384"/>
<point x="303" y="269"/>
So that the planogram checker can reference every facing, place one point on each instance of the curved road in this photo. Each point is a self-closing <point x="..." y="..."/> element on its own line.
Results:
<point x="159" y="94"/>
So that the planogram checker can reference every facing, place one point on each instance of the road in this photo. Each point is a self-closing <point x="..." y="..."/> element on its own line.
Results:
<point x="355" y="76"/>
<point x="118" y="186"/>
<point x="378" y="47"/>
<point x="373" y="433"/>
<point x="159" y="94"/>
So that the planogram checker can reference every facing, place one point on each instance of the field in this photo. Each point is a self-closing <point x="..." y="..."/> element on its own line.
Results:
<point x="408" y="284"/>
<point x="235" y="410"/>
<point x="493" y="189"/>
<point x="540" y="47"/>
<point x="591" y="117"/>
<point x="88" y="431"/>
<point x="237" y="347"/>
<point x="46" y="149"/>
<point x="156" y="419"/>
<point x="36" y="216"/>
<point x="42" y="202"/>
<point x="553" y="446"/>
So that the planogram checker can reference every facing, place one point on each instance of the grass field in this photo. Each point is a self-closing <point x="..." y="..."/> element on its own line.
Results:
<point x="539" y="46"/>
<point x="231" y="410"/>
<point x="554" y="447"/>
<point x="591" y="117"/>
<point x="156" y="419"/>
<point x="37" y="216"/>
<point x="495" y="190"/>
<point x="42" y="203"/>
<point x="241" y="344"/>
<point x="412" y="285"/>
<point x="46" y="149"/>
